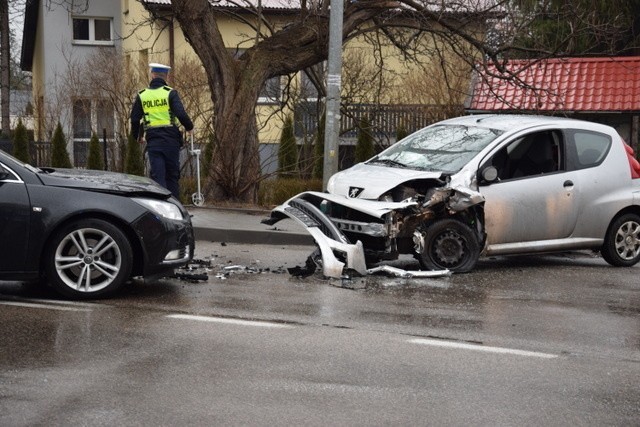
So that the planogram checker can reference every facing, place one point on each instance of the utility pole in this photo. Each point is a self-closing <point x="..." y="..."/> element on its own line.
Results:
<point x="334" y="85"/>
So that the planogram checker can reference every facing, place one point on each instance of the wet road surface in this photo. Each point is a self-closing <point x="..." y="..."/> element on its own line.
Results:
<point x="528" y="341"/>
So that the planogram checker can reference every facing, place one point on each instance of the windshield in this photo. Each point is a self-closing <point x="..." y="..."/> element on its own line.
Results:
<point x="442" y="148"/>
<point x="18" y="162"/>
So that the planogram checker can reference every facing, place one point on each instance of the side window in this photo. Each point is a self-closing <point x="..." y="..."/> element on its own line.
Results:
<point x="590" y="148"/>
<point x="533" y="154"/>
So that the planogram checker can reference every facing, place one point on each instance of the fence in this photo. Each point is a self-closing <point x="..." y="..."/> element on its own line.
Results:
<point x="40" y="152"/>
<point x="384" y="119"/>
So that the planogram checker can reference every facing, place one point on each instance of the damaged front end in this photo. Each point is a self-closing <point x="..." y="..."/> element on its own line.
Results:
<point x="353" y="233"/>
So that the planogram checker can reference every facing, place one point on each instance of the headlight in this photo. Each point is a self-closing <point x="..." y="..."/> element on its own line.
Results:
<point x="164" y="209"/>
<point x="331" y="184"/>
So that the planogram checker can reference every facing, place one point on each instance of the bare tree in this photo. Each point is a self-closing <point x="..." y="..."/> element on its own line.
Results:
<point x="235" y="83"/>
<point x="105" y="77"/>
<point x="409" y="25"/>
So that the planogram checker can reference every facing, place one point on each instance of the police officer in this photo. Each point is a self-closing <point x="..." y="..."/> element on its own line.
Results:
<point x="158" y="106"/>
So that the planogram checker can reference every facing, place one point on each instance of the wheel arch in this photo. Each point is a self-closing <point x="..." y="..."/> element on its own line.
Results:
<point x="633" y="209"/>
<point x="134" y="241"/>
<point x="473" y="217"/>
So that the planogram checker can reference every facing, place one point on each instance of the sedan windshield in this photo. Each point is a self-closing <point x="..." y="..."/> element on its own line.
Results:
<point x="18" y="162"/>
<point x="443" y="148"/>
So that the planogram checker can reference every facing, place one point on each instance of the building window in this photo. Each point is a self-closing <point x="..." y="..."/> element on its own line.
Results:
<point x="308" y="90"/>
<point x="104" y="119"/>
<point x="143" y="64"/>
<point x="90" y="116"/>
<point x="271" y="91"/>
<point x="81" y="119"/>
<point x="92" y="31"/>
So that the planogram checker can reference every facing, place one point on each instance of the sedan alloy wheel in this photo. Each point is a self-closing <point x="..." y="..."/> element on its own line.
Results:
<point x="88" y="258"/>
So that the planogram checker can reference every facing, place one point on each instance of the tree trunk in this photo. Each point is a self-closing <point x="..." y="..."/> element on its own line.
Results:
<point x="234" y="171"/>
<point x="5" y="77"/>
<point x="235" y="85"/>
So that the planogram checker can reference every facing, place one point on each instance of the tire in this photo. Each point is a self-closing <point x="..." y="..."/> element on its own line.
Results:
<point x="621" y="246"/>
<point x="88" y="258"/>
<point x="449" y="244"/>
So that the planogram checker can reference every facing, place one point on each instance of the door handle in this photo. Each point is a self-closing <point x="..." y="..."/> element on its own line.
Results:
<point x="568" y="183"/>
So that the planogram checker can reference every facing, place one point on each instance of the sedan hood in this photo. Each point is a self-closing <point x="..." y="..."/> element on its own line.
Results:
<point x="371" y="181"/>
<point x="107" y="182"/>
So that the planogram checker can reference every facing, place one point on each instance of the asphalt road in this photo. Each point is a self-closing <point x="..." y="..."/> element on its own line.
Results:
<point x="550" y="340"/>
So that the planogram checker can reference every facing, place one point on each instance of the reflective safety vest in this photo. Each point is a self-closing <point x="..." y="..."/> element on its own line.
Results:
<point x="155" y="105"/>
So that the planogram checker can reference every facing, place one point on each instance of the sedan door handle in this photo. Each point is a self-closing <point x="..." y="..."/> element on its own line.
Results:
<point x="568" y="183"/>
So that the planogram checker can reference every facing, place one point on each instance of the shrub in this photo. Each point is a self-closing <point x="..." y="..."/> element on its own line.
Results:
<point x="188" y="186"/>
<point x="277" y="191"/>
<point x="364" y="146"/>
<point x="287" y="150"/>
<point x="318" y="150"/>
<point x="59" y="154"/>
<point x="21" y="143"/>
<point x="401" y="132"/>
<point x="94" y="159"/>
<point x="134" y="163"/>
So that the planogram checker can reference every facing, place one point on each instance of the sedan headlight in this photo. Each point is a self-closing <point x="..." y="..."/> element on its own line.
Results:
<point x="162" y="208"/>
<point x="331" y="184"/>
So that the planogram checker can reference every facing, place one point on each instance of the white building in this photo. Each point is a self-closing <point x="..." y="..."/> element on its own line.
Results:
<point x="56" y="37"/>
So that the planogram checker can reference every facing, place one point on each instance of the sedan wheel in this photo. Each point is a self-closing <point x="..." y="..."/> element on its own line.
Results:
<point x="449" y="244"/>
<point x="622" y="243"/>
<point x="88" y="258"/>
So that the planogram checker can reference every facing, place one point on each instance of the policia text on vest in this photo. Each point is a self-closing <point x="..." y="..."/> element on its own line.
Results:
<point x="155" y="105"/>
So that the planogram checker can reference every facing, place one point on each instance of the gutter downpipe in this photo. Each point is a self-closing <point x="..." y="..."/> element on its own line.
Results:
<point x="171" y="44"/>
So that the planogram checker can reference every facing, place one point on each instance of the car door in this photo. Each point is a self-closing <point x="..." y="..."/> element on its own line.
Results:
<point x="14" y="221"/>
<point x="534" y="197"/>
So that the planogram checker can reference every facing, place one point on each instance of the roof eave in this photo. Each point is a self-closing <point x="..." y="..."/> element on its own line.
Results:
<point x="29" y="34"/>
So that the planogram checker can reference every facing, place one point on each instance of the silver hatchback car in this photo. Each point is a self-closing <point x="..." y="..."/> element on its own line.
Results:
<point x="479" y="185"/>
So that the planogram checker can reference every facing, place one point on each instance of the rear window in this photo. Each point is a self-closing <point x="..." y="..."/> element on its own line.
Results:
<point x="591" y="148"/>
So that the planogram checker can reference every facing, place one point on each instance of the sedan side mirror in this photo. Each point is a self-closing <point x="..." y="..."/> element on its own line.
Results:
<point x="4" y="175"/>
<point x="490" y="174"/>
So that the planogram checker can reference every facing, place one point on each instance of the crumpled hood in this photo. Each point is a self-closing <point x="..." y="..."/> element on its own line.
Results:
<point x="374" y="180"/>
<point x="108" y="182"/>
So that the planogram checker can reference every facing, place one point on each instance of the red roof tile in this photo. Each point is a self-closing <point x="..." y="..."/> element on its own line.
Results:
<point x="561" y="84"/>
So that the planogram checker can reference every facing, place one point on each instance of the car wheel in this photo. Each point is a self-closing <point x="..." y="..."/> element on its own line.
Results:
<point x="88" y="258"/>
<point x="621" y="246"/>
<point x="449" y="244"/>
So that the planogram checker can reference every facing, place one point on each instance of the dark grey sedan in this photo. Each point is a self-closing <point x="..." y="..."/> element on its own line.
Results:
<point x="87" y="232"/>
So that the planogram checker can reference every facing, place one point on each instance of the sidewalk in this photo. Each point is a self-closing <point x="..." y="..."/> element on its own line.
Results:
<point x="244" y="226"/>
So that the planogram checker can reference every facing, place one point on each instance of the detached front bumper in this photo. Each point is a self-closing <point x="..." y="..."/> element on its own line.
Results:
<point x="338" y="255"/>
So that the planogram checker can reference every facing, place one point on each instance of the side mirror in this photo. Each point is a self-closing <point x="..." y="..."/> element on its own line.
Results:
<point x="490" y="174"/>
<point x="4" y="175"/>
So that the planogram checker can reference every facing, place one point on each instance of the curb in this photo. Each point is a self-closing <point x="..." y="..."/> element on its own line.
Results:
<point x="251" y="236"/>
<point x="241" y="225"/>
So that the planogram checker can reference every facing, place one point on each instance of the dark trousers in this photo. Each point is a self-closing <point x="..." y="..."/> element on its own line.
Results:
<point x="165" y="166"/>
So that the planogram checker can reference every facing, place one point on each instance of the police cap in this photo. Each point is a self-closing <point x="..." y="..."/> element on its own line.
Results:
<point x="159" y="68"/>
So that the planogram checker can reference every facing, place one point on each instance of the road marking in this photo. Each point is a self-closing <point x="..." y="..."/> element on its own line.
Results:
<point x="46" y="306"/>
<point x="476" y="347"/>
<point x="228" y="321"/>
<point x="63" y="302"/>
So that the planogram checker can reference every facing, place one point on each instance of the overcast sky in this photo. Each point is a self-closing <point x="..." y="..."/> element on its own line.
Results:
<point x="16" y="22"/>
